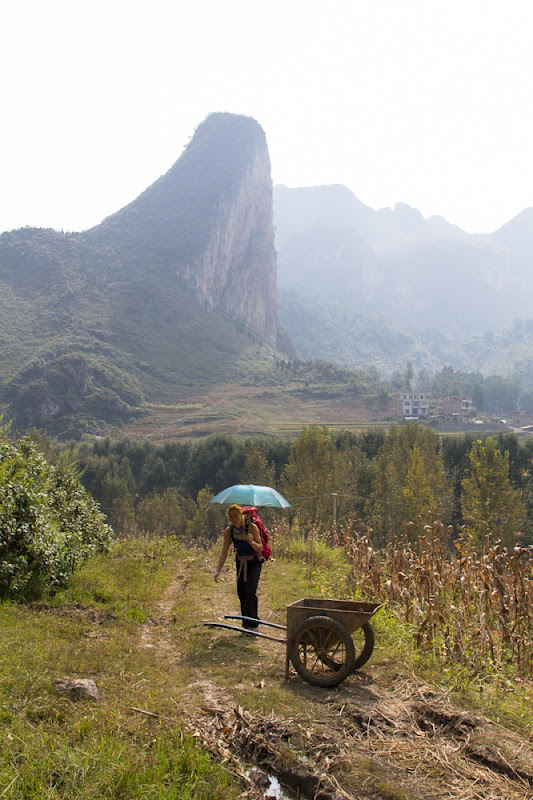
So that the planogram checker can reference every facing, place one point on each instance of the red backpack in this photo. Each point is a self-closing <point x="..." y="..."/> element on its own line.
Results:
<point x="250" y="514"/>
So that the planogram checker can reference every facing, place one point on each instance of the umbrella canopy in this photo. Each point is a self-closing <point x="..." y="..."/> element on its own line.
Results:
<point x="247" y="494"/>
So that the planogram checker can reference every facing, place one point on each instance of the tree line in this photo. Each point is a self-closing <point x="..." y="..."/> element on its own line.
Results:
<point x="490" y="394"/>
<point x="383" y="480"/>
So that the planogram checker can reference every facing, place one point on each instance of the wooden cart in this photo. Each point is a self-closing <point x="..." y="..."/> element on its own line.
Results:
<point x="326" y="639"/>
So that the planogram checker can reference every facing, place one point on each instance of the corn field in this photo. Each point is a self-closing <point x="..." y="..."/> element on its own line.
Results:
<point x="467" y="608"/>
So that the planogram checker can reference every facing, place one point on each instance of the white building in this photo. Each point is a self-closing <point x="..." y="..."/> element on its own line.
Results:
<point x="413" y="405"/>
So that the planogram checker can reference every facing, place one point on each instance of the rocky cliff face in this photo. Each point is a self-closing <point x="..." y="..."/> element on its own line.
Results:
<point x="209" y="222"/>
<point x="236" y="272"/>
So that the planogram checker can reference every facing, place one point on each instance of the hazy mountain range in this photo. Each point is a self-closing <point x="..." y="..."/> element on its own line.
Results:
<point x="177" y="291"/>
<point x="383" y="287"/>
<point x="415" y="272"/>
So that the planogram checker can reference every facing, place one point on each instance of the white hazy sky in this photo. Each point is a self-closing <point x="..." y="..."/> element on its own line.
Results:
<point x="426" y="102"/>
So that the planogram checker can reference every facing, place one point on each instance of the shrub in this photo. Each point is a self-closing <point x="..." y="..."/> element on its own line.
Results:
<point x="49" y="524"/>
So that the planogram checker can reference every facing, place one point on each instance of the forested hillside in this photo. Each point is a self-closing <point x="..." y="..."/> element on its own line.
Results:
<point x="328" y="330"/>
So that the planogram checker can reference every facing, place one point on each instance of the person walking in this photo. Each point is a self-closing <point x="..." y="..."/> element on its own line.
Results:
<point x="248" y="547"/>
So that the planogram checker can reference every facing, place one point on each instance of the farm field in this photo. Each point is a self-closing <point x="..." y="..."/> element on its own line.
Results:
<point x="249" y="411"/>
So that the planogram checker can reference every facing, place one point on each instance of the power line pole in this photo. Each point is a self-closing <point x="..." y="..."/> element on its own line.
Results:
<point x="334" y="495"/>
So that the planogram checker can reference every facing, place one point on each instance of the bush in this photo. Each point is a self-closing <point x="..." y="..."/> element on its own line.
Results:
<point x="49" y="524"/>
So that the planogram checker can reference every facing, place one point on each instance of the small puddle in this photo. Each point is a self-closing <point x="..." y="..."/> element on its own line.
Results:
<point x="275" y="790"/>
<point x="271" y="785"/>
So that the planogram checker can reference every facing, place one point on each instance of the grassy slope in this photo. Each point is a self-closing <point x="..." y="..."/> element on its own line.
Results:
<point x="140" y="338"/>
<point x="132" y="621"/>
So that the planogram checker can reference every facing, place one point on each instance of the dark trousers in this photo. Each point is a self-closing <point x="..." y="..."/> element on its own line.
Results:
<point x="247" y="590"/>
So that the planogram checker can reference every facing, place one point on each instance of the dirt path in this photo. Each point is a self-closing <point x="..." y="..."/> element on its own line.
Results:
<point x="377" y="735"/>
<point x="155" y="632"/>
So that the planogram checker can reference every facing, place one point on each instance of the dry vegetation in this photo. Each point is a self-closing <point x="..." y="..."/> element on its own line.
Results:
<point x="469" y="609"/>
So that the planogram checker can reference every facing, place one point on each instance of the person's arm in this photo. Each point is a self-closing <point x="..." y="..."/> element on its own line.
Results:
<point x="223" y="554"/>
<point x="254" y="538"/>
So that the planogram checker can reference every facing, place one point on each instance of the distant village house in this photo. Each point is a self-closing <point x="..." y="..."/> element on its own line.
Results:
<point x="413" y="406"/>
<point x="457" y="414"/>
<point x="456" y="411"/>
<point x="457" y="405"/>
<point x="521" y="419"/>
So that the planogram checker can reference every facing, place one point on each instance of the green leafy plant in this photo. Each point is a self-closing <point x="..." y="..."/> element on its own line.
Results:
<point x="49" y="524"/>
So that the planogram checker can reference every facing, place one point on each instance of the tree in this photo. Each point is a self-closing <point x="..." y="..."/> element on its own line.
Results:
<point x="455" y="454"/>
<point x="353" y="482"/>
<point x="117" y="502"/>
<point x="418" y="497"/>
<point x="501" y="394"/>
<point x="311" y="476"/>
<point x="216" y="462"/>
<point x="408" y="376"/>
<point x="489" y="499"/>
<point x="208" y="520"/>
<point x="43" y="442"/>
<point x="166" y="514"/>
<point x="478" y="397"/>
<point x="256" y="468"/>
<point x="408" y="480"/>
<point x="423" y="380"/>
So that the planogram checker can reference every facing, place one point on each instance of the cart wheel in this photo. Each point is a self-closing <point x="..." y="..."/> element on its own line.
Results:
<point x="322" y="651"/>
<point x="364" y="644"/>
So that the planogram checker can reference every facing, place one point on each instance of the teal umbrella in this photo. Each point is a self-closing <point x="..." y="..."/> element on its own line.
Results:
<point x="247" y="494"/>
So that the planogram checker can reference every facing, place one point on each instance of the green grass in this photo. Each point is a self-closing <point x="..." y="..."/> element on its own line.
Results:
<point x="78" y="760"/>
<point x="51" y="747"/>
<point x="135" y="572"/>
